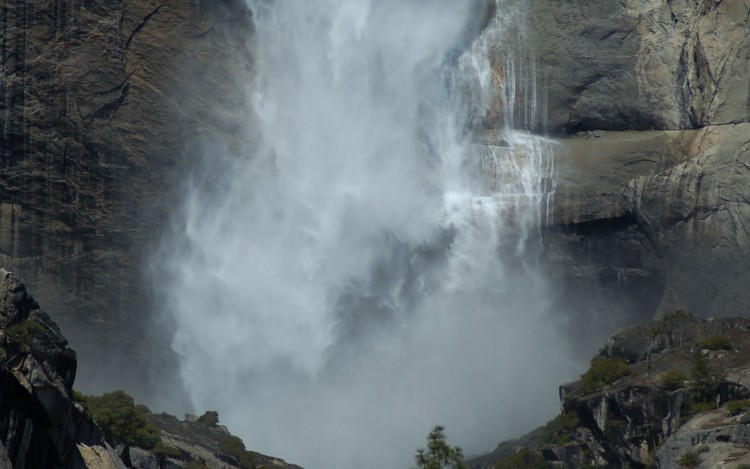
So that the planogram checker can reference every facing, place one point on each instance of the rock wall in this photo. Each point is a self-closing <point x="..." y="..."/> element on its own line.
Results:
<point x="649" y="103"/>
<point x="642" y="64"/>
<point x="40" y="426"/>
<point x="101" y="105"/>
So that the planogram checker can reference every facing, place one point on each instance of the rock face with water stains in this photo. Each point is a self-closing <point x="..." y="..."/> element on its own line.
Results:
<point x="630" y="64"/>
<point x="101" y="104"/>
<point x="650" y="103"/>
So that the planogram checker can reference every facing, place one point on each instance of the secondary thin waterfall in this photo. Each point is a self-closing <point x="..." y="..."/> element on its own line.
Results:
<point x="366" y="271"/>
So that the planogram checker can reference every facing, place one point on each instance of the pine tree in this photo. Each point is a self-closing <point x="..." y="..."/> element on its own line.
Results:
<point x="439" y="454"/>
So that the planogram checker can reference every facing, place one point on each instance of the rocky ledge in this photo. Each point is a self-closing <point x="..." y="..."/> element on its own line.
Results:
<point x="45" y="424"/>
<point x="671" y="393"/>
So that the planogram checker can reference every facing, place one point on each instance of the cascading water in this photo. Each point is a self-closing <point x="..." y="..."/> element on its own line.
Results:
<point x="365" y="273"/>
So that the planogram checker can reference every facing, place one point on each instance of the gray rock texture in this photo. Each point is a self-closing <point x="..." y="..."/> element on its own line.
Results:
<point x="718" y="440"/>
<point x="649" y="102"/>
<point x="102" y="103"/>
<point x="40" y="426"/>
<point x="634" y="64"/>
<point x="663" y="215"/>
<point x="657" y="410"/>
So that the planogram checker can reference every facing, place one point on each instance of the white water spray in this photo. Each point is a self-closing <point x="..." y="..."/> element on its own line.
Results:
<point x="366" y="273"/>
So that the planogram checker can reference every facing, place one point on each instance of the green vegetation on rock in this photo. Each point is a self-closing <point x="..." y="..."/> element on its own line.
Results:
<point x="604" y="371"/>
<point x="737" y="407"/>
<point x="715" y="343"/>
<point x="235" y="447"/>
<point x="24" y="333"/>
<point x="439" y="454"/>
<point x="121" y="420"/>
<point x="209" y="418"/>
<point x="696" y="408"/>
<point x="163" y="450"/>
<point x="689" y="459"/>
<point x="523" y="459"/>
<point x="703" y="380"/>
<point x="673" y="379"/>
<point x="560" y="430"/>
<point x="679" y="314"/>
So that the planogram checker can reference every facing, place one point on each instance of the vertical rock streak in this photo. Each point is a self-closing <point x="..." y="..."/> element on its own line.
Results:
<point x="363" y="273"/>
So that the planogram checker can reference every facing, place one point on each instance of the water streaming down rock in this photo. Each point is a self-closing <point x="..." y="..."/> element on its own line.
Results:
<point x="365" y="273"/>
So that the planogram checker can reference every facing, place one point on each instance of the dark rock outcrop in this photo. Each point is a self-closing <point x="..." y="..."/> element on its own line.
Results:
<point x="101" y="104"/>
<point x="40" y="426"/>
<point x="669" y="401"/>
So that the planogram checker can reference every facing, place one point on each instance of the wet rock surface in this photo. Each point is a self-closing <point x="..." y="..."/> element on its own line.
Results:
<point x="649" y="103"/>
<point x="103" y="104"/>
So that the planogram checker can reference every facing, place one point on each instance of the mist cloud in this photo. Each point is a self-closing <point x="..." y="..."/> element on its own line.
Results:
<point x="354" y="280"/>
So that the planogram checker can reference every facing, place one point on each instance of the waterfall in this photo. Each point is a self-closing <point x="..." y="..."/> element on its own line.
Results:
<point x="367" y="269"/>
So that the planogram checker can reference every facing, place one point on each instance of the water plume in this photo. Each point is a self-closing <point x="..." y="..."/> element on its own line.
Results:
<point x="368" y="269"/>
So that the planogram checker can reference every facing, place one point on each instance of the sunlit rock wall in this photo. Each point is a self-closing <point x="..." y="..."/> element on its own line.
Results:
<point x="650" y="101"/>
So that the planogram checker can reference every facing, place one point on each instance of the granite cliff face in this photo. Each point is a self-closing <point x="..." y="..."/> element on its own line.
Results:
<point x="102" y="106"/>
<point x="649" y="102"/>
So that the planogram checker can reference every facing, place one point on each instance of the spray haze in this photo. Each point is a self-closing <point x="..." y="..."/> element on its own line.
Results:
<point x="365" y="272"/>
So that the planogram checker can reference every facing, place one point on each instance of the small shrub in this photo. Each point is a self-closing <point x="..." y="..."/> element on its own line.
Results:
<point x="718" y="342"/>
<point x="79" y="397"/>
<point x="24" y="333"/>
<point x="560" y="430"/>
<point x="658" y="329"/>
<point x="210" y="418"/>
<point x="523" y="459"/>
<point x="235" y="447"/>
<point x="673" y="379"/>
<point x="439" y="454"/>
<point x="679" y="314"/>
<point x="698" y="407"/>
<point x="163" y="450"/>
<point x="604" y="371"/>
<point x="689" y="459"/>
<point x="737" y="407"/>
<point x="122" y="420"/>
<point x="703" y="380"/>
